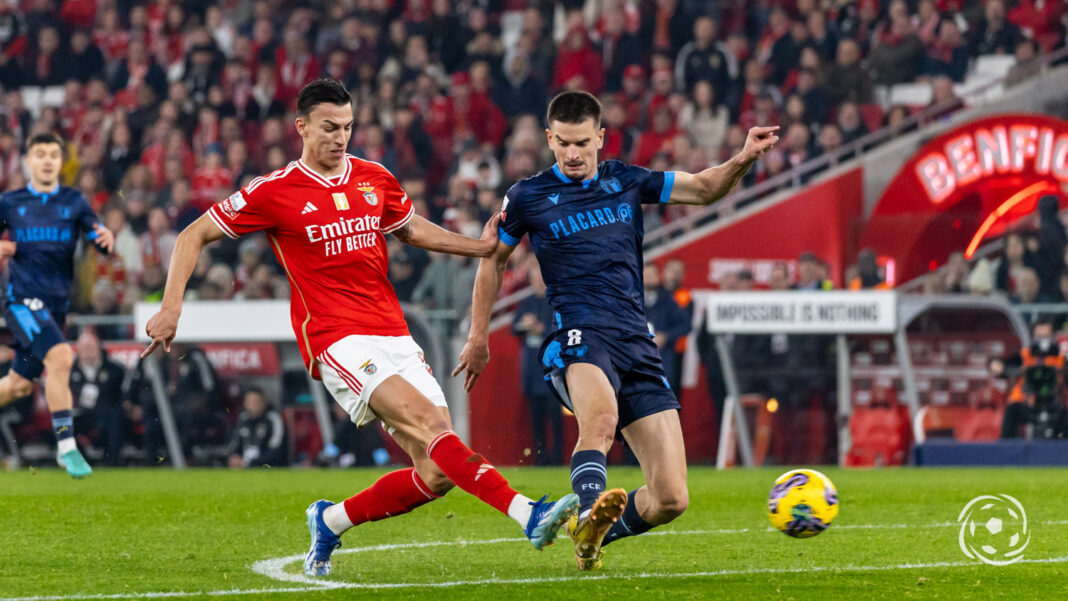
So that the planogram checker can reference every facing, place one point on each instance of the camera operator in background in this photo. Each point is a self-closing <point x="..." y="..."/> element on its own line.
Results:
<point x="1037" y="395"/>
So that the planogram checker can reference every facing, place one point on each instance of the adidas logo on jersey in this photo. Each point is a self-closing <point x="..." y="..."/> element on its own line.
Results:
<point x="308" y="208"/>
<point x="482" y="469"/>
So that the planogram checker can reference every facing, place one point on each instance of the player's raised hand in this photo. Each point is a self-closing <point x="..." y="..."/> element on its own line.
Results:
<point x="7" y="249"/>
<point x="473" y="358"/>
<point x="759" y="141"/>
<point x="161" y="329"/>
<point x="489" y="233"/>
<point x="104" y="238"/>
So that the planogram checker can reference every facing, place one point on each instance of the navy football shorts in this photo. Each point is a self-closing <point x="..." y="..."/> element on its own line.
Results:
<point x="36" y="331"/>
<point x="630" y="360"/>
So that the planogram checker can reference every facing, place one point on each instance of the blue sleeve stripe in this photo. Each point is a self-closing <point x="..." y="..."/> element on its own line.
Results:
<point x="507" y="238"/>
<point x="669" y="183"/>
<point x="92" y="235"/>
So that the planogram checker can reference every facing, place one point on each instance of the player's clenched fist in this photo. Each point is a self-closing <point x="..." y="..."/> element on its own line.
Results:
<point x="161" y="329"/>
<point x="759" y="141"/>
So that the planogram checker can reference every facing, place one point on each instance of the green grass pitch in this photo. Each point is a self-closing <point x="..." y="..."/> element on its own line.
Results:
<point x="164" y="534"/>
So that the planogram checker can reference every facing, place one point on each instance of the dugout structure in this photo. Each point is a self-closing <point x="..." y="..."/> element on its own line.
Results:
<point x="837" y="313"/>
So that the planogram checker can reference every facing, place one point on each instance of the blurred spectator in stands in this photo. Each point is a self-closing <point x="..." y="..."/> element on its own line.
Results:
<point x="1028" y="288"/>
<point x="578" y="66"/>
<point x="126" y="246"/>
<point x="823" y="39"/>
<point x="632" y="97"/>
<point x="895" y="118"/>
<point x="96" y="384"/>
<point x="701" y="60"/>
<point x="942" y="95"/>
<point x="259" y="437"/>
<point x="705" y="119"/>
<point x="798" y="147"/>
<point x="104" y="302"/>
<point x="869" y="275"/>
<point x="521" y="91"/>
<point x="664" y="26"/>
<point x="1026" y="66"/>
<point x="658" y="139"/>
<point x="618" y="138"/>
<point x="619" y="48"/>
<point x="13" y="41"/>
<point x="947" y="55"/>
<point x="374" y="148"/>
<point x="157" y="243"/>
<point x="668" y="322"/>
<point x="533" y="320"/>
<point x="926" y="21"/>
<point x="846" y="79"/>
<point x="955" y="273"/>
<point x="809" y="272"/>
<point x="809" y="87"/>
<point x="139" y="68"/>
<point x="786" y="52"/>
<point x="1040" y="20"/>
<point x="1052" y="243"/>
<point x="994" y="34"/>
<point x="47" y="63"/>
<point x="858" y="20"/>
<point x="1016" y="258"/>
<point x="755" y="87"/>
<point x="295" y="65"/>
<point x="899" y="55"/>
<point x="830" y="139"/>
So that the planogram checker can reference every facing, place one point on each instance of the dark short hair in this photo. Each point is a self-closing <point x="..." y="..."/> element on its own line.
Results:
<point x="45" y="138"/>
<point x="574" y="107"/>
<point x="321" y="91"/>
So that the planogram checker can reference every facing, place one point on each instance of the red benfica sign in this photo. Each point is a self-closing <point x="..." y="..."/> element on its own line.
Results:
<point x="965" y="185"/>
<point x="1029" y="146"/>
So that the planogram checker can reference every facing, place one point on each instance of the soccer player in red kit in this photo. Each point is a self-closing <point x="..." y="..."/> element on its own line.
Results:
<point x="326" y="216"/>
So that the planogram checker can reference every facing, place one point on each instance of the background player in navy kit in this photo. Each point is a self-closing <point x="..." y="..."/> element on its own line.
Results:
<point x="43" y="220"/>
<point x="585" y="225"/>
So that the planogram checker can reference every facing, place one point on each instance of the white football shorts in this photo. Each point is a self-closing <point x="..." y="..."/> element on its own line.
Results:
<point x="354" y="366"/>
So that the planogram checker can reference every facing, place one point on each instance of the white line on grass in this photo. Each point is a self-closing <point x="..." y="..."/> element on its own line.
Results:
<point x="275" y="569"/>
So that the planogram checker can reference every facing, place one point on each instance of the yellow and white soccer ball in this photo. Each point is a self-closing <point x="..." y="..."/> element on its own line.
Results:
<point x="802" y="503"/>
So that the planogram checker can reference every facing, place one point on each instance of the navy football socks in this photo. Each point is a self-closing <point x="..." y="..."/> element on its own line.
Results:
<point x="588" y="477"/>
<point x="628" y="524"/>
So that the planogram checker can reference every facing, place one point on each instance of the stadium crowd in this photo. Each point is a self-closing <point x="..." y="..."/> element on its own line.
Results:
<point x="170" y="106"/>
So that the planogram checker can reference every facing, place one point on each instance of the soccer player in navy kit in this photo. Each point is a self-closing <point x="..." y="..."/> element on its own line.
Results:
<point x="585" y="225"/>
<point x="44" y="221"/>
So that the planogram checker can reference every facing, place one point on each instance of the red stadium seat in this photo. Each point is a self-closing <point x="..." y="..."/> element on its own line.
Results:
<point x="872" y="114"/>
<point x="881" y="433"/>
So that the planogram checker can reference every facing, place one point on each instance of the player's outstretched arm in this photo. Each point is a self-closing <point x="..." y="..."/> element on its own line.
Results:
<point x="162" y="326"/>
<point x="714" y="183"/>
<point x="475" y="354"/>
<point x="421" y="233"/>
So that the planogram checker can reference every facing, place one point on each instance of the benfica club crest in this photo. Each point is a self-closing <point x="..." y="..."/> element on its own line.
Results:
<point x="369" y="194"/>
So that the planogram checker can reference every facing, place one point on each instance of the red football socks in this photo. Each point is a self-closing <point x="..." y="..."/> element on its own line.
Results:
<point x="393" y="494"/>
<point x="470" y="471"/>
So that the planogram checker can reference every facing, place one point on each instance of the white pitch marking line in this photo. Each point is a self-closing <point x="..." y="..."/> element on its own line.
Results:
<point x="275" y="568"/>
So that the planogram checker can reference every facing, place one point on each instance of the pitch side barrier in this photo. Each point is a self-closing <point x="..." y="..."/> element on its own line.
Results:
<point x="269" y="321"/>
<point x="839" y="313"/>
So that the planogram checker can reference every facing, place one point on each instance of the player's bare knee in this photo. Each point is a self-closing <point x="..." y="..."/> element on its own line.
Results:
<point x="20" y="387"/>
<point x="59" y="359"/>
<point x="602" y="426"/>
<point x="672" y="504"/>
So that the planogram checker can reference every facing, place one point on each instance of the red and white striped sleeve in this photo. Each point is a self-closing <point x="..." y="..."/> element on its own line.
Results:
<point x="246" y="211"/>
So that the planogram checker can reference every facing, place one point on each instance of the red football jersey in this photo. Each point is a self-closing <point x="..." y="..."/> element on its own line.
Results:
<point x="329" y="236"/>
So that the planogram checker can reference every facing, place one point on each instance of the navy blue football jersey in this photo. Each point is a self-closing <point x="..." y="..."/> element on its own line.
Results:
<point x="45" y="228"/>
<point x="587" y="236"/>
